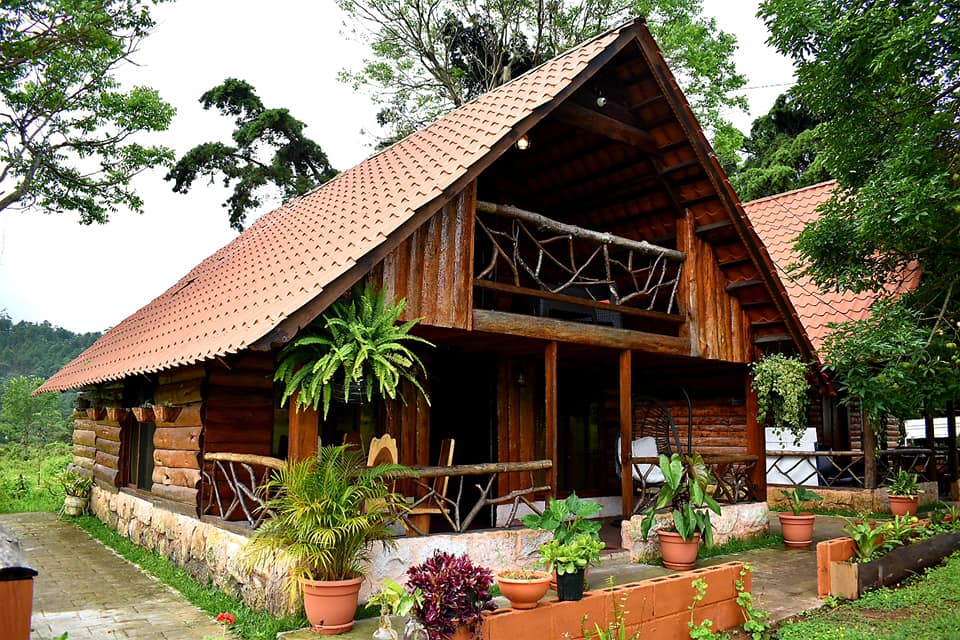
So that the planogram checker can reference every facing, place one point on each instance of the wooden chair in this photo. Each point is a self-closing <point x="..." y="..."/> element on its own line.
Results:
<point x="434" y="503"/>
<point x="383" y="450"/>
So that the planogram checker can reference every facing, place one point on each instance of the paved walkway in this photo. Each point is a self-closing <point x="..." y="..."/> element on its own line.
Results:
<point x="91" y="593"/>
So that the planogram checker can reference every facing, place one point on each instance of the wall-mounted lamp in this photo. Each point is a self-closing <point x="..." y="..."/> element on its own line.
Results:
<point x="601" y="99"/>
<point x="521" y="380"/>
<point x="523" y="142"/>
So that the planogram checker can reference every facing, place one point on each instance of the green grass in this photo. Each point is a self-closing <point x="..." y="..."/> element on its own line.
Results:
<point x="29" y="482"/>
<point x="250" y="624"/>
<point x="924" y="608"/>
<point x="739" y="545"/>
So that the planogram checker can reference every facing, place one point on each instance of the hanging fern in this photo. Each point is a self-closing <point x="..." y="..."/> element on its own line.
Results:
<point x="781" y="385"/>
<point x="355" y="341"/>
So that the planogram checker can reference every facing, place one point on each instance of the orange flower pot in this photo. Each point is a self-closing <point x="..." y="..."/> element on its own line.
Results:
<point x="677" y="553"/>
<point x="904" y="505"/>
<point x="331" y="605"/>
<point x="797" y="530"/>
<point x="524" y="593"/>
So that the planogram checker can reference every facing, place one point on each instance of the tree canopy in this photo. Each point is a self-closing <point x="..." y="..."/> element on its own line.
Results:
<point x="69" y="131"/>
<point x="781" y="152"/>
<point x="884" y="78"/>
<point x="27" y="420"/>
<point x="297" y="166"/>
<point x="429" y="56"/>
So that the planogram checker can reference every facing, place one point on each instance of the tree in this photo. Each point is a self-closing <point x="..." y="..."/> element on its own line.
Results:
<point x="429" y="56"/>
<point x="297" y="166"/>
<point x="27" y="420"/>
<point x="884" y="77"/>
<point x="66" y="125"/>
<point x="782" y="152"/>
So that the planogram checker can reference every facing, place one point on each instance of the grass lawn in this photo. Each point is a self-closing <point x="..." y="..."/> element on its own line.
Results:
<point x="30" y="482"/>
<point x="925" y="608"/>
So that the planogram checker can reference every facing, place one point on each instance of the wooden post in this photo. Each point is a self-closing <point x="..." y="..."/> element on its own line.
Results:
<point x="952" y="462"/>
<point x="756" y="441"/>
<point x="550" y="399"/>
<point x="626" y="430"/>
<point x="869" y="444"/>
<point x="304" y="429"/>
<point x="931" y="436"/>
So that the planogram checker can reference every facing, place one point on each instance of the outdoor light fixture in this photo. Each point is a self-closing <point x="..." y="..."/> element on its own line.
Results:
<point x="523" y="142"/>
<point x="601" y="100"/>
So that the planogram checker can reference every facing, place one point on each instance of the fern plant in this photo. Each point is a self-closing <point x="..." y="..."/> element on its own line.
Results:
<point x="328" y="511"/>
<point x="357" y="341"/>
<point x="782" y="393"/>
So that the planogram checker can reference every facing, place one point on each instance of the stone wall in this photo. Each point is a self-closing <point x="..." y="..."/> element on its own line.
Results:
<point x="212" y="554"/>
<point x="746" y="520"/>
<point x="874" y="500"/>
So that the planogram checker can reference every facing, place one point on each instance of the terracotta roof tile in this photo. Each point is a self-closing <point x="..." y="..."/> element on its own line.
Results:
<point x="778" y="220"/>
<point x="287" y="257"/>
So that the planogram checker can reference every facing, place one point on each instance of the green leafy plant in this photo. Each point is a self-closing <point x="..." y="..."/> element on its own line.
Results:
<point x="566" y="518"/>
<point x="357" y="341"/>
<point x="904" y="484"/>
<point x="797" y="497"/>
<point x="396" y="598"/>
<point x="868" y="539"/>
<point x="782" y="389"/>
<point x="328" y="511"/>
<point x="616" y="629"/>
<point x="685" y="491"/>
<point x="75" y="484"/>
<point x="571" y="556"/>
<point x="755" y="623"/>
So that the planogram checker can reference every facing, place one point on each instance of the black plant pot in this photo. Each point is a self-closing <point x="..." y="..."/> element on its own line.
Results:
<point x="570" y="586"/>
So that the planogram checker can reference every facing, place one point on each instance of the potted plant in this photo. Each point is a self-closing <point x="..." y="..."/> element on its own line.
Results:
<point x="782" y="389"/>
<point x="143" y="413"/>
<point x="684" y="491"/>
<point x="328" y="511"/>
<point x="523" y="587"/>
<point x="570" y="559"/>
<point x="165" y="412"/>
<point x="455" y="593"/>
<point x="393" y="599"/>
<point x="356" y="344"/>
<point x="566" y="518"/>
<point x="904" y="494"/>
<point x="76" y="488"/>
<point x="797" y="526"/>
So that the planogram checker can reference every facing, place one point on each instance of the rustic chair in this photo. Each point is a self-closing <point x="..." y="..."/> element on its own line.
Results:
<point x="354" y="439"/>
<point x="435" y="501"/>
<point x="383" y="450"/>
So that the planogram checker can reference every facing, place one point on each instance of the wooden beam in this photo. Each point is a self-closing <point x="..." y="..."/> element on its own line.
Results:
<point x="304" y="429"/>
<point x="756" y="441"/>
<point x="658" y="316"/>
<point x="550" y="400"/>
<point x="742" y="284"/>
<point x="714" y="226"/>
<point x="543" y="222"/>
<point x="606" y="126"/>
<point x="774" y="338"/>
<point x="551" y="329"/>
<point x="626" y="431"/>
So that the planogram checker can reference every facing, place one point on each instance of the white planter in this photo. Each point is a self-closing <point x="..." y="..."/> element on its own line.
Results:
<point x="74" y="506"/>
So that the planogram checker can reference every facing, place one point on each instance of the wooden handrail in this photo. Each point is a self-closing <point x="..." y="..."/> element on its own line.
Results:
<point x="246" y="458"/>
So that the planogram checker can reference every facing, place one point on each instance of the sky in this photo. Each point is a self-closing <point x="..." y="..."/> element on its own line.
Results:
<point x="89" y="278"/>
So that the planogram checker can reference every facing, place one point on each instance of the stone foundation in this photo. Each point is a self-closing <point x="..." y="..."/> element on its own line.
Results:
<point x="866" y="500"/>
<point x="747" y="520"/>
<point x="212" y="554"/>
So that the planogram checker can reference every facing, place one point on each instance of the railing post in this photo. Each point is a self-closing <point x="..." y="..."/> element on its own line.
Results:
<point x="626" y="431"/>
<point x="869" y="440"/>
<point x="550" y="399"/>
<point x="304" y="430"/>
<point x="756" y="441"/>
<point x="932" y="445"/>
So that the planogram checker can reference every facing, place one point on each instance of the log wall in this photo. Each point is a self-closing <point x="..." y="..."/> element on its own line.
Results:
<point x="717" y="326"/>
<point x="84" y="442"/>
<point x="238" y="410"/>
<point x="176" y="443"/>
<point x="718" y="427"/>
<point x="433" y="268"/>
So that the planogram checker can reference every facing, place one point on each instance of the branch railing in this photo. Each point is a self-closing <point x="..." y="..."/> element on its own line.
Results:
<point x="846" y="468"/>
<point x="452" y="508"/>
<point x="534" y="253"/>
<point x="231" y="485"/>
<point x="731" y="475"/>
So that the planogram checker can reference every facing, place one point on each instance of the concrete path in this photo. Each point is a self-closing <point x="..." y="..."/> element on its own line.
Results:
<point x="93" y="594"/>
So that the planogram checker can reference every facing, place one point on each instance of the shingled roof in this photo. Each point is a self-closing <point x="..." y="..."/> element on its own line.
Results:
<point x="778" y="220"/>
<point x="290" y="256"/>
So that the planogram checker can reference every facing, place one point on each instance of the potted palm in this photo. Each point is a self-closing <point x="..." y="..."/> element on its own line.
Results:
<point x="570" y="560"/>
<point x="328" y="511"/>
<point x="355" y="349"/>
<point x="684" y="491"/>
<point x="904" y="494"/>
<point x="797" y="526"/>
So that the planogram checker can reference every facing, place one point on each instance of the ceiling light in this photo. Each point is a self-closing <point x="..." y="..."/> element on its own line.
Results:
<point x="523" y="143"/>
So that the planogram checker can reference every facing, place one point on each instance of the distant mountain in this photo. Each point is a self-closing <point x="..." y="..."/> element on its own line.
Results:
<point x="30" y="349"/>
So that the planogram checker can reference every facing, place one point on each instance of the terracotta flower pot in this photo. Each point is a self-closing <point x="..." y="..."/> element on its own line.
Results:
<point x="677" y="553"/>
<point x="165" y="413"/>
<point x="904" y="505"/>
<point x="96" y="413"/>
<point x="797" y="530"/>
<point x="116" y="414"/>
<point x="143" y="414"/>
<point x="524" y="593"/>
<point x="331" y="605"/>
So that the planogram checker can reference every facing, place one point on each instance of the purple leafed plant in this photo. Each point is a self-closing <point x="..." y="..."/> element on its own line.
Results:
<point x="455" y="592"/>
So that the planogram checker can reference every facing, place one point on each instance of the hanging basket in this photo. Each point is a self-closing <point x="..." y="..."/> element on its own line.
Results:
<point x="356" y="393"/>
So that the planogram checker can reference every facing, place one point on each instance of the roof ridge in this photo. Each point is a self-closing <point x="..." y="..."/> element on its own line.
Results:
<point x="777" y="196"/>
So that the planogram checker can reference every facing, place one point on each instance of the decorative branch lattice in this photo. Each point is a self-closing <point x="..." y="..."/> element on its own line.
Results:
<point x="539" y="253"/>
<point x="231" y="482"/>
